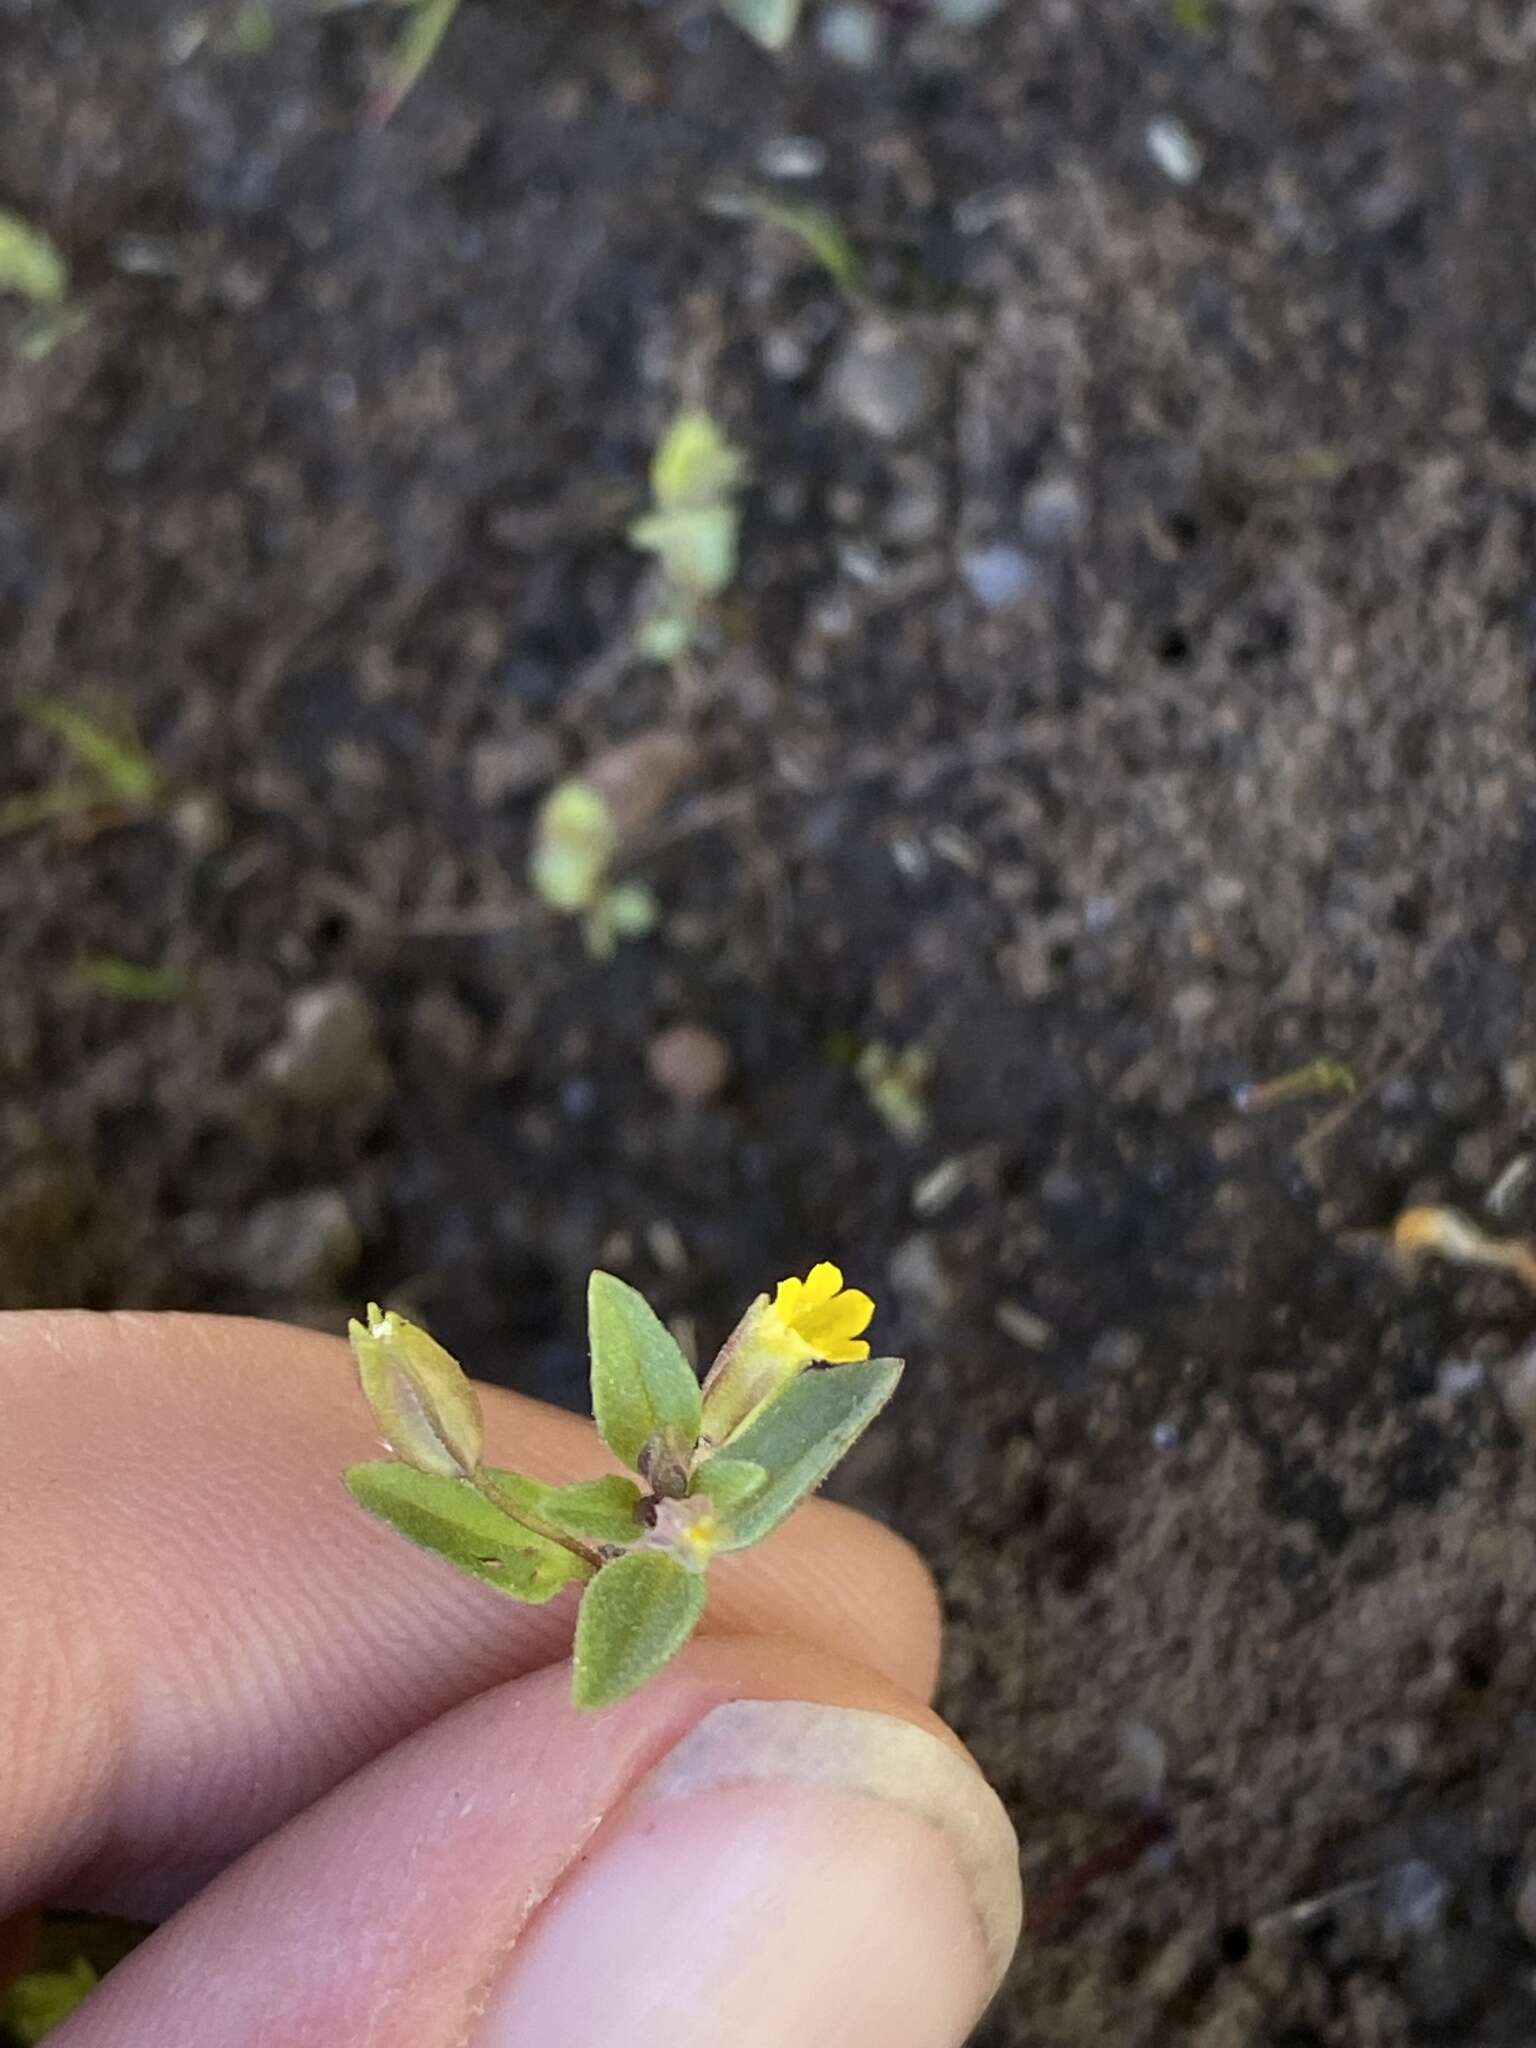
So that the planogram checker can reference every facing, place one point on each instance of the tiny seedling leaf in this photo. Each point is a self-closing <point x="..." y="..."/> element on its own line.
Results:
<point x="814" y="227"/>
<point x="635" y="1616"/>
<point x="729" y="1483"/>
<point x="599" y="1510"/>
<point x="641" y="1383"/>
<point x="575" y="841"/>
<point x="694" y="464"/>
<point x="414" y="50"/>
<point x="106" y="975"/>
<point x="769" y="22"/>
<point x="695" y="544"/>
<point x="799" y="1436"/>
<point x="447" y="1517"/>
<point x="121" y="766"/>
<point x="30" y="263"/>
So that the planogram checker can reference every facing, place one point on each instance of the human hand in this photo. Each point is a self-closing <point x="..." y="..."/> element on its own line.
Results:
<point x="354" y="1781"/>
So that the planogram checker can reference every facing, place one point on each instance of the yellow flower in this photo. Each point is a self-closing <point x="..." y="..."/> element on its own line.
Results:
<point x="808" y="1322"/>
<point x="827" y="1318"/>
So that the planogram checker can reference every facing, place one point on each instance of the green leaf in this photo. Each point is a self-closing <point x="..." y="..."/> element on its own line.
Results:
<point x="769" y="22"/>
<point x="635" y="1616"/>
<point x="575" y="841"/>
<point x="414" y="50"/>
<point x="729" y="1482"/>
<point x="447" y="1517"/>
<point x="601" y="1510"/>
<point x="799" y="1436"/>
<point x="104" y="974"/>
<point x="641" y="1382"/>
<point x="30" y="263"/>
<point x="43" y="1999"/>
<point x="695" y="544"/>
<point x="694" y="465"/>
<point x="121" y="765"/>
<point x="814" y="227"/>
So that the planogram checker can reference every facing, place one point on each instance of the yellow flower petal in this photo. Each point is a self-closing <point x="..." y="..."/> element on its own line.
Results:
<point x="835" y="1331"/>
<point x="786" y="1299"/>
<point x="822" y="1284"/>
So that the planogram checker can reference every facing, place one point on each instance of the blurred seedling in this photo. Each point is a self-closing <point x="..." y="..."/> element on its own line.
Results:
<point x="814" y="227"/>
<point x="1318" y="1077"/>
<point x="33" y="268"/>
<point x="716" y="1467"/>
<point x="692" y="528"/>
<point x="105" y="974"/>
<point x="575" y="846"/>
<point x="772" y="23"/>
<point x="1433" y="1230"/>
<point x="416" y="44"/>
<point x="896" y="1081"/>
<point x="43" y="1999"/>
<point x="109" y="776"/>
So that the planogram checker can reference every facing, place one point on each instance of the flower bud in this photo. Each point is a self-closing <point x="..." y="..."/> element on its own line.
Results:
<point x="426" y="1409"/>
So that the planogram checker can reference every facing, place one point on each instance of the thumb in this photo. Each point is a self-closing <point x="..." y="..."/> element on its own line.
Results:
<point x="765" y="1847"/>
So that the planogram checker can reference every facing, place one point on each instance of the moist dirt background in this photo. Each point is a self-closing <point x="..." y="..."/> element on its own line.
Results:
<point x="1126" y="694"/>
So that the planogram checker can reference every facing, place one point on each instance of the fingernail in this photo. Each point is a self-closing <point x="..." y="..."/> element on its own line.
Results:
<point x="790" y="1876"/>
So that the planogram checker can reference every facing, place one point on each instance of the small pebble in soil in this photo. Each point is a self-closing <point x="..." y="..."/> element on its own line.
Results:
<point x="918" y="1277"/>
<point x="885" y="381"/>
<point x="998" y="575"/>
<point x="293" y="1248"/>
<point x="1053" y="512"/>
<point x="1174" y="150"/>
<point x="329" y="1057"/>
<point x="852" y="34"/>
<point x="689" y="1062"/>
<point x="792" y="156"/>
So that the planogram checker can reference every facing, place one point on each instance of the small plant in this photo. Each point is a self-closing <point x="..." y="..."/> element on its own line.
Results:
<point x="717" y="1467"/>
<point x="111" y="775"/>
<point x="692" y="529"/>
<point x="575" y="844"/>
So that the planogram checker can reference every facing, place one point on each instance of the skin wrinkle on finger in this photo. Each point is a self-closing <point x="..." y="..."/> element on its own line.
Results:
<point x="238" y="1635"/>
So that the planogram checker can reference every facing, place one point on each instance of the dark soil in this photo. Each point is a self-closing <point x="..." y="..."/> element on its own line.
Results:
<point x="330" y="492"/>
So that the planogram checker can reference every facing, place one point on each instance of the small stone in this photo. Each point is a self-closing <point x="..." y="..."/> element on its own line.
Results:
<point x="918" y="1275"/>
<point x="1174" y="150"/>
<point x="1517" y="1386"/>
<point x="998" y="575"/>
<point x="1116" y="1351"/>
<point x="296" y="1247"/>
<point x="329" y="1055"/>
<point x="886" y="382"/>
<point x="200" y="821"/>
<point x="689" y="1062"/>
<point x="851" y="33"/>
<point x="1052" y="512"/>
<point x="792" y="156"/>
<point x="916" y="512"/>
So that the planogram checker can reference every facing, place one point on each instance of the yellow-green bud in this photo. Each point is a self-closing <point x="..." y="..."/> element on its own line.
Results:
<point x="426" y="1409"/>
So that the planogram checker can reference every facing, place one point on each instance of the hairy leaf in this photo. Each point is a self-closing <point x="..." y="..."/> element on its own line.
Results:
<point x="799" y="1436"/>
<point x="600" y="1510"/>
<point x="635" y="1616"/>
<point x="448" y="1517"/>
<point x="641" y="1382"/>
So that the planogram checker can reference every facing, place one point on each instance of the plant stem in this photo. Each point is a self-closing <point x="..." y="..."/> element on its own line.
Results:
<point x="487" y="1488"/>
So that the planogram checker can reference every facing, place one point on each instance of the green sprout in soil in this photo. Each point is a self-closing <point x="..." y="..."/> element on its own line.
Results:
<point x="576" y="842"/>
<point x="110" y="776"/>
<point x="717" y="1467"/>
<point x="896" y="1082"/>
<point x="814" y="227"/>
<point x="692" y="528"/>
<point x="1324" y="1076"/>
<point x="427" y="22"/>
<point x="33" y="268"/>
<point x="105" y="974"/>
